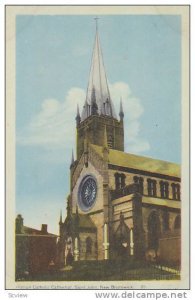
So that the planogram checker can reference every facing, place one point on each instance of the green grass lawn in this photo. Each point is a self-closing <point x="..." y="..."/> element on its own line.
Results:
<point x="106" y="271"/>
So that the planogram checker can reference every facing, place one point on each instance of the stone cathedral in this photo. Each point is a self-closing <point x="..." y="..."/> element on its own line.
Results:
<point x="120" y="204"/>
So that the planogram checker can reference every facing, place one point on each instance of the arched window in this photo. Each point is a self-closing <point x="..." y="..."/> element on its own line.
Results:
<point x="123" y="180"/>
<point x="177" y="223"/>
<point x="88" y="245"/>
<point x="110" y="141"/>
<point x="116" y="175"/>
<point x="119" y="181"/>
<point x="164" y="189"/>
<point x="140" y="181"/>
<point x="153" y="230"/>
<point x="151" y="187"/>
<point x="176" y="191"/>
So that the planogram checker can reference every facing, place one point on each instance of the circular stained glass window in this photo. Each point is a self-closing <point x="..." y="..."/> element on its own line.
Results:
<point x="87" y="192"/>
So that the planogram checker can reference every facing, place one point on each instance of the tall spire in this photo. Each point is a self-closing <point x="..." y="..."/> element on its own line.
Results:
<point x="98" y="83"/>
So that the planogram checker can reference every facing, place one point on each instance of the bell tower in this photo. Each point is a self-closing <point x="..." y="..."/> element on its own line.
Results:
<point x="98" y="111"/>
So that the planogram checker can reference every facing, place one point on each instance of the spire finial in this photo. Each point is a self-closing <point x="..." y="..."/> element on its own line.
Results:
<point x="72" y="160"/>
<point x="78" y="113"/>
<point x="78" y="117"/>
<point x="68" y="207"/>
<point x="121" y="113"/>
<point x="60" y="217"/>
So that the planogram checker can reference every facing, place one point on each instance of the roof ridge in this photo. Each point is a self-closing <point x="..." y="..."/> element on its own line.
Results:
<point x="142" y="163"/>
<point x="146" y="157"/>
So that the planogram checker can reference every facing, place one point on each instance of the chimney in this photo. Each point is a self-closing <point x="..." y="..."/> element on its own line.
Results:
<point x="44" y="229"/>
<point x="19" y="224"/>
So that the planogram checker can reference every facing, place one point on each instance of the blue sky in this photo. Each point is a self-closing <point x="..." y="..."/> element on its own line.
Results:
<point x="142" y="57"/>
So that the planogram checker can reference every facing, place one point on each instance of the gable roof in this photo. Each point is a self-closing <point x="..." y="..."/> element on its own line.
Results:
<point x="33" y="231"/>
<point x="147" y="164"/>
<point x="85" y="221"/>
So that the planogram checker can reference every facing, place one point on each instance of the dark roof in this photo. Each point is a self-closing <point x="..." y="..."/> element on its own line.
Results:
<point x="122" y="159"/>
<point x="85" y="221"/>
<point x="33" y="231"/>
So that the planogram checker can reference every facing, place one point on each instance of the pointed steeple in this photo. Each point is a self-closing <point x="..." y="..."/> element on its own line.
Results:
<point x="85" y="111"/>
<point x="78" y="117"/>
<point x="98" y="82"/>
<point x="68" y="207"/>
<point x="121" y="113"/>
<point x="72" y="159"/>
<point x="60" y="222"/>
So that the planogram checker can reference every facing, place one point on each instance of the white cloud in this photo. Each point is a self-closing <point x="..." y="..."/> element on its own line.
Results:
<point x="137" y="145"/>
<point x="132" y="129"/>
<point x="54" y="126"/>
<point x="131" y="104"/>
<point x="133" y="110"/>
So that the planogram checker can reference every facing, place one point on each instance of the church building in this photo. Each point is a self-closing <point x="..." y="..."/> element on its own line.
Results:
<point x="120" y="204"/>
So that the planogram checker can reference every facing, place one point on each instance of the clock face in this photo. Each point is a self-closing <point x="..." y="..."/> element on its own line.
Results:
<point x="87" y="192"/>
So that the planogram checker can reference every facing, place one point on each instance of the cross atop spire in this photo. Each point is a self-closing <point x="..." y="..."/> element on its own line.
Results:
<point x="96" y="23"/>
<point x="98" y="84"/>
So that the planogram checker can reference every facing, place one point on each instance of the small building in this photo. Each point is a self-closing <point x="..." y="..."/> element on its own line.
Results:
<point x="35" y="250"/>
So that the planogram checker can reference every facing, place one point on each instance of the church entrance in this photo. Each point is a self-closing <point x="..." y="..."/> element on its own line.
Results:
<point x="121" y="241"/>
<point x="122" y="248"/>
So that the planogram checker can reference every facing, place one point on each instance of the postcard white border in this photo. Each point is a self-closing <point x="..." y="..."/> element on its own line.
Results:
<point x="11" y="12"/>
